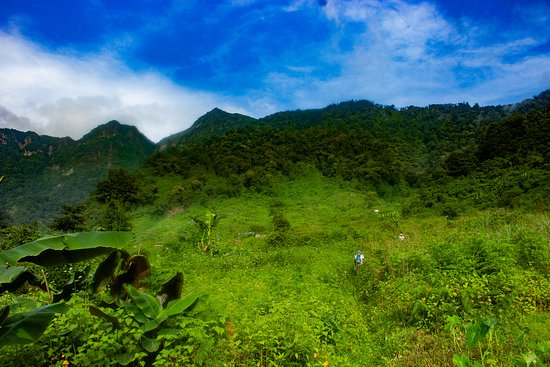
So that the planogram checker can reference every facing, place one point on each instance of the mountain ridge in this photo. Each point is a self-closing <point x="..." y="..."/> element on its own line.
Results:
<point x="42" y="172"/>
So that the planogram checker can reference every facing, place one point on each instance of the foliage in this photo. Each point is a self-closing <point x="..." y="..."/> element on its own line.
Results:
<point x="119" y="186"/>
<point x="42" y="172"/>
<point x="66" y="248"/>
<point x="14" y="236"/>
<point x="473" y="290"/>
<point x="115" y="217"/>
<point x="72" y="219"/>
<point x="207" y="226"/>
<point x="25" y="327"/>
<point x="280" y="225"/>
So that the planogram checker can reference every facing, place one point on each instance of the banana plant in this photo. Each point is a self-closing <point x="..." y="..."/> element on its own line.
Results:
<point x="25" y="327"/>
<point x="207" y="228"/>
<point x="148" y="311"/>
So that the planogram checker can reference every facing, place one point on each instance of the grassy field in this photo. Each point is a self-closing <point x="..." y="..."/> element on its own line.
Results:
<point x="470" y="291"/>
<point x="304" y="297"/>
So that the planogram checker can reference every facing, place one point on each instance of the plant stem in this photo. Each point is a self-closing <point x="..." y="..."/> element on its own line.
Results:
<point x="47" y="287"/>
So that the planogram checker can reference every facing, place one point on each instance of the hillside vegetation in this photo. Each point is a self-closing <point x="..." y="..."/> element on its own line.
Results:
<point x="42" y="172"/>
<point x="263" y="221"/>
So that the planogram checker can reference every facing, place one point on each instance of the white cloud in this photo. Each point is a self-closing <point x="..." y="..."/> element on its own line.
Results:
<point x="64" y="94"/>
<point x="410" y="54"/>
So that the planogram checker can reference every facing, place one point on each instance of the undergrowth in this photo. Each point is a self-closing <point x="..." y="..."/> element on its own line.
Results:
<point x="465" y="290"/>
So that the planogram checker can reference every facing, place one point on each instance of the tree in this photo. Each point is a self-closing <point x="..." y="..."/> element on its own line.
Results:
<point x="115" y="217"/>
<point x="5" y="219"/>
<point x="119" y="186"/>
<point x="71" y="220"/>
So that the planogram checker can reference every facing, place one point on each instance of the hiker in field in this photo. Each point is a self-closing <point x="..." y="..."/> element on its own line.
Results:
<point x="401" y="236"/>
<point x="358" y="260"/>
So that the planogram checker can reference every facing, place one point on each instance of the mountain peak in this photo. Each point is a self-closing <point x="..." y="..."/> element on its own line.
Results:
<point x="217" y="110"/>
<point x="213" y="123"/>
<point x="112" y="129"/>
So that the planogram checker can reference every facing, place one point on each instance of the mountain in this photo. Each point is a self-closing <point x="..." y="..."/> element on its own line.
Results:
<point x="213" y="123"/>
<point x="492" y="155"/>
<point x="42" y="172"/>
<point x="115" y="145"/>
<point x="380" y="147"/>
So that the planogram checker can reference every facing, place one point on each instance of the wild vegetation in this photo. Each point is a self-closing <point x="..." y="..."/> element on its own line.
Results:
<point x="261" y="224"/>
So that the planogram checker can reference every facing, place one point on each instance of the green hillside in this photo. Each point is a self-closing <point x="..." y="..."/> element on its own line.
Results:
<point x="289" y="295"/>
<point x="42" y="173"/>
<point x="263" y="221"/>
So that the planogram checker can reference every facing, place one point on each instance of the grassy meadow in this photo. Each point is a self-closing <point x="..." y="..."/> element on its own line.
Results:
<point x="468" y="291"/>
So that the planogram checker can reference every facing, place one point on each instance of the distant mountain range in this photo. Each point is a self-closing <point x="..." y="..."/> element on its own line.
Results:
<point x="42" y="172"/>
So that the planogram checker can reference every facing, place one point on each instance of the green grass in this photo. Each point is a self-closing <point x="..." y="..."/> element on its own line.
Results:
<point x="254" y="284"/>
<point x="302" y="304"/>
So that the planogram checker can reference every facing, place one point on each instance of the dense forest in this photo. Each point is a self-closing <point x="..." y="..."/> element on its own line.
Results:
<point x="483" y="156"/>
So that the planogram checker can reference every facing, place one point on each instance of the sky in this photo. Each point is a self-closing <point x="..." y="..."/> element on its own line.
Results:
<point x="67" y="66"/>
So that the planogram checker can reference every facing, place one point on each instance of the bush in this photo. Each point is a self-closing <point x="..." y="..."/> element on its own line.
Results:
<point x="533" y="252"/>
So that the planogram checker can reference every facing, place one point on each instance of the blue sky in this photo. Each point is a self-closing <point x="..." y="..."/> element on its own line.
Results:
<point x="67" y="66"/>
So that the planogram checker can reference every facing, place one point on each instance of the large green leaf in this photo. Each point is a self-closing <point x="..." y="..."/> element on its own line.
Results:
<point x="13" y="277"/>
<point x="105" y="271"/>
<point x="151" y="325"/>
<point x="66" y="248"/>
<point x="26" y="327"/>
<point x="171" y="289"/>
<point x="135" y="311"/>
<point x="150" y="345"/>
<point x="179" y="306"/>
<point x="125" y="359"/>
<point x="9" y="273"/>
<point x="148" y="304"/>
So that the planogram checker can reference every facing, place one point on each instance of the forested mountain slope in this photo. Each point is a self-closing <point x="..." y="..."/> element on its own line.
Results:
<point x="497" y="154"/>
<point x="488" y="155"/>
<point x="42" y="173"/>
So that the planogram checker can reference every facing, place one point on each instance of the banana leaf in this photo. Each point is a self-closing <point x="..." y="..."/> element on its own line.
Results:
<point x="13" y="277"/>
<point x="66" y="248"/>
<point x="142" y="268"/>
<point x="149" y="344"/>
<point x="105" y="271"/>
<point x="171" y="289"/>
<point x="127" y="277"/>
<point x="179" y="306"/>
<point x="26" y="327"/>
<point x="148" y="304"/>
<point x="134" y="311"/>
<point x="136" y="268"/>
